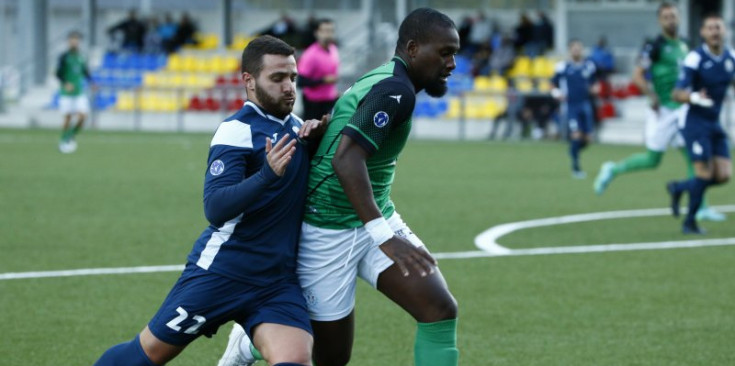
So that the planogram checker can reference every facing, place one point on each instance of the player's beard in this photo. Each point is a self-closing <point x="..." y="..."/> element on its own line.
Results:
<point x="279" y="108"/>
<point x="436" y="88"/>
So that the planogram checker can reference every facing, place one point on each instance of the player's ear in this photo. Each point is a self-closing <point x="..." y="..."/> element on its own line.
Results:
<point x="412" y="48"/>
<point x="248" y="80"/>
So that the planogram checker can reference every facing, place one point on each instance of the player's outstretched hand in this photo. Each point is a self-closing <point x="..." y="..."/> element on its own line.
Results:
<point x="280" y="155"/>
<point x="313" y="128"/>
<point x="408" y="257"/>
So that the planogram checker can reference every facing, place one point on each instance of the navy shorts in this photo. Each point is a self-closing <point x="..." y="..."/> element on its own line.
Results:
<point x="705" y="139"/>
<point x="201" y="301"/>
<point x="580" y="118"/>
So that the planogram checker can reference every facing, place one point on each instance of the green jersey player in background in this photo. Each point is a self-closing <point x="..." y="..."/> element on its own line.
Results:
<point x="72" y="72"/>
<point x="661" y="59"/>
<point x="351" y="227"/>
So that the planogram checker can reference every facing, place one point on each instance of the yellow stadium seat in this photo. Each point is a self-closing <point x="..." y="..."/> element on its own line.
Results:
<point x="191" y="80"/>
<point x="524" y="85"/>
<point x="151" y="80"/>
<point x="188" y="64"/>
<point x="231" y="64"/>
<point x="544" y="85"/>
<point x="125" y="101"/>
<point x="175" y="63"/>
<point x="542" y="67"/>
<point x="201" y="64"/>
<point x="521" y="67"/>
<point x="176" y="81"/>
<point x="498" y="84"/>
<point x="454" y="108"/>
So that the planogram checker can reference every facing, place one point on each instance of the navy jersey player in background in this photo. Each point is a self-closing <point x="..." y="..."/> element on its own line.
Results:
<point x="706" y="74"/>
<point x="242" y="267"/>
<point x="574" y="82"/>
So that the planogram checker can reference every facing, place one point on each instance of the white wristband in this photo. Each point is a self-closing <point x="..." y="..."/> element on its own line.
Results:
<point x="556" y="93"/>
<point x="379" y="230"/>
<point x="696" y="98"/>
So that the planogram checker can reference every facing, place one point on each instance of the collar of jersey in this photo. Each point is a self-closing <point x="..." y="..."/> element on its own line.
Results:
<point x="716" y="58"/>
<point x="266" y="115"/>
<point x="400" y="59"/>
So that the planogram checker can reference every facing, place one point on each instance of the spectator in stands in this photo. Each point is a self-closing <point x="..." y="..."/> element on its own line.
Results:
<point x="167" y="32"/>
<point x="186" y="31"/>
<point x="284" y="28"/>
<point x="465" y="28"/>
<point x="502" y="58"/>
<point x="544" y="32"/>
<point x="152" y="39"/>
<point x="480" y="32"/>
<point x="496" y="37"/>
<point x="603" y="58"/>
<point x="318" y="69"/>
<point x="132" y="30"/>
<point x="523" y="32"/>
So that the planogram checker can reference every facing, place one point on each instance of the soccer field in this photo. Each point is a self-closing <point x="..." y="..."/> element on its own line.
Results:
<point x="134" y="199"/>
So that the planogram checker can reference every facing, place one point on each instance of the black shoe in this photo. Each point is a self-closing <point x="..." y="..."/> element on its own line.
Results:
<point x="692" y="228"/>
<point x="675" y="198"/>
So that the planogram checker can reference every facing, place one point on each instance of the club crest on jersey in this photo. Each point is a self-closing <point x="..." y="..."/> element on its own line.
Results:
<point x="380" y="119"/>
<point x="217" y="167"/>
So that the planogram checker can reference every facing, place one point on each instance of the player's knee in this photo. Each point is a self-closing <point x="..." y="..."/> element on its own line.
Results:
<point x="444" y="308"/>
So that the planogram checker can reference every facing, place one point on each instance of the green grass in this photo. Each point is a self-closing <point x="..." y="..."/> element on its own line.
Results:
<point x="127" y="199"/>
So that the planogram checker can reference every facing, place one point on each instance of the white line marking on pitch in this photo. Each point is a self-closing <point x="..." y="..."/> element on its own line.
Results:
<point x="487" y="241"/>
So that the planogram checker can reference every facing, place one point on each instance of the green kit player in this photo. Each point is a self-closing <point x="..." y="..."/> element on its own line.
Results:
<point x="72" y="72"/>
<point x="661" y="59"/>
<point x="351" y="227"/>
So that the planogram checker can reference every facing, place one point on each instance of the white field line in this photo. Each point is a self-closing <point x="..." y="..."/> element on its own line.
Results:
<point x="487" y="241"/>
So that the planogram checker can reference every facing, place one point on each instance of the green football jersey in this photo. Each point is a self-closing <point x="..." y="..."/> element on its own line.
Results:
<point x="72" y="69"/>
<point x="376" y="113"/>
<point x="662" y="58"/>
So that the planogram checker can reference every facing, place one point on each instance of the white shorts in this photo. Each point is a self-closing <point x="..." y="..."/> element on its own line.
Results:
<point x="73" y="104"/>
<point x="662" y="128"/>
<point x="331" y="260"/>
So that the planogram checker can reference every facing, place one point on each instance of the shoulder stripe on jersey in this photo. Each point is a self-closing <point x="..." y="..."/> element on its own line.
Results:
<point x="215" y="242"/>
<point x="560" y="66"/>
<point x="233" y="133"/>
<point x="692" y="60"/>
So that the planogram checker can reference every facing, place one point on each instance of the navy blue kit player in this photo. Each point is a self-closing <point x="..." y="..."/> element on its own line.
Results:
<point x="706" y="74"/>
<point x="242" y="267"/>
<point x="574" y="83"/>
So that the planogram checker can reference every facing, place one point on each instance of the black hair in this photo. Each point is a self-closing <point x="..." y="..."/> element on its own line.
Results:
<point x="252" y="55"/>
<point x="711" y="16"/>
<point x="418" y="25"/>
<point x="321" y="21"/>
<point x="663" y="6"/>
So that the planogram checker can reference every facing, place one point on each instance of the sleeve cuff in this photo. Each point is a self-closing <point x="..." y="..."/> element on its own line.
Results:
<point x="360" y="139"/>
<point x="269" y="176"/>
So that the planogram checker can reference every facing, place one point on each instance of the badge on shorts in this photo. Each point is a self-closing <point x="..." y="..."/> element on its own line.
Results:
<point x="217" y="167"/>
<point x="380" y="119"/>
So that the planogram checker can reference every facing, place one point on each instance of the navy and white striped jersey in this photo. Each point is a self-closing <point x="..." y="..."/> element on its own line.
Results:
<point x="575" y="79"/>
<point x="255" y="216"/>
<point x="703" y="70"/>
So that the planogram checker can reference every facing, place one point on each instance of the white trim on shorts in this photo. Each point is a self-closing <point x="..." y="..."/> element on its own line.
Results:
<point x="330" y="261"/>
<point x="662" y="128"/>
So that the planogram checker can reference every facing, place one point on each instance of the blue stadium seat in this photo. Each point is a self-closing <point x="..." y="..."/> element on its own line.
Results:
<point x="464" y="66"/>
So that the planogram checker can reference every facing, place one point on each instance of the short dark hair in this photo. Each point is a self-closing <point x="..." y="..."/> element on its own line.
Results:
<point x="252" y="55"/>
<point x="418" y="24"/>
<point x="663" y="6"/>
<point x="323" y="21"/>
<point x="711" y="16"/>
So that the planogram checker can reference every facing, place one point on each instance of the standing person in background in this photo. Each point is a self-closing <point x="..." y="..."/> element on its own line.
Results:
<point x="318" y="70"/>
<point x="705" y="76"/>
<point x="167" y="31"/>
<point x="71" y="72"/>
<point x="574" y="82"/>
<point x="133" y="31"/>
<point x="185" y="31"/>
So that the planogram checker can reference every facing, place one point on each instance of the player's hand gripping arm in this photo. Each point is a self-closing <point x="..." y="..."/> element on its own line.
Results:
<point x="227" y="195"/>
<point x="349" y="164"/>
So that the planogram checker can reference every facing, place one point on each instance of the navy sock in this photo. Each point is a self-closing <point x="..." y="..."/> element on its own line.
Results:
<point x="685" y="185"/>
<point x="574" y="147"/>
<point x="125" y="354"/>
<point x="696" y="193"/>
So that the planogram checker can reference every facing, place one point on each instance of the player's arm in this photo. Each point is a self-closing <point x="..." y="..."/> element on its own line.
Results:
<point x="641" y="69"/>
<point x="362" y="137"/>
<point x="226" y="193"/>
<point x="556" y="92"/>
<point x="683" y="91"/>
